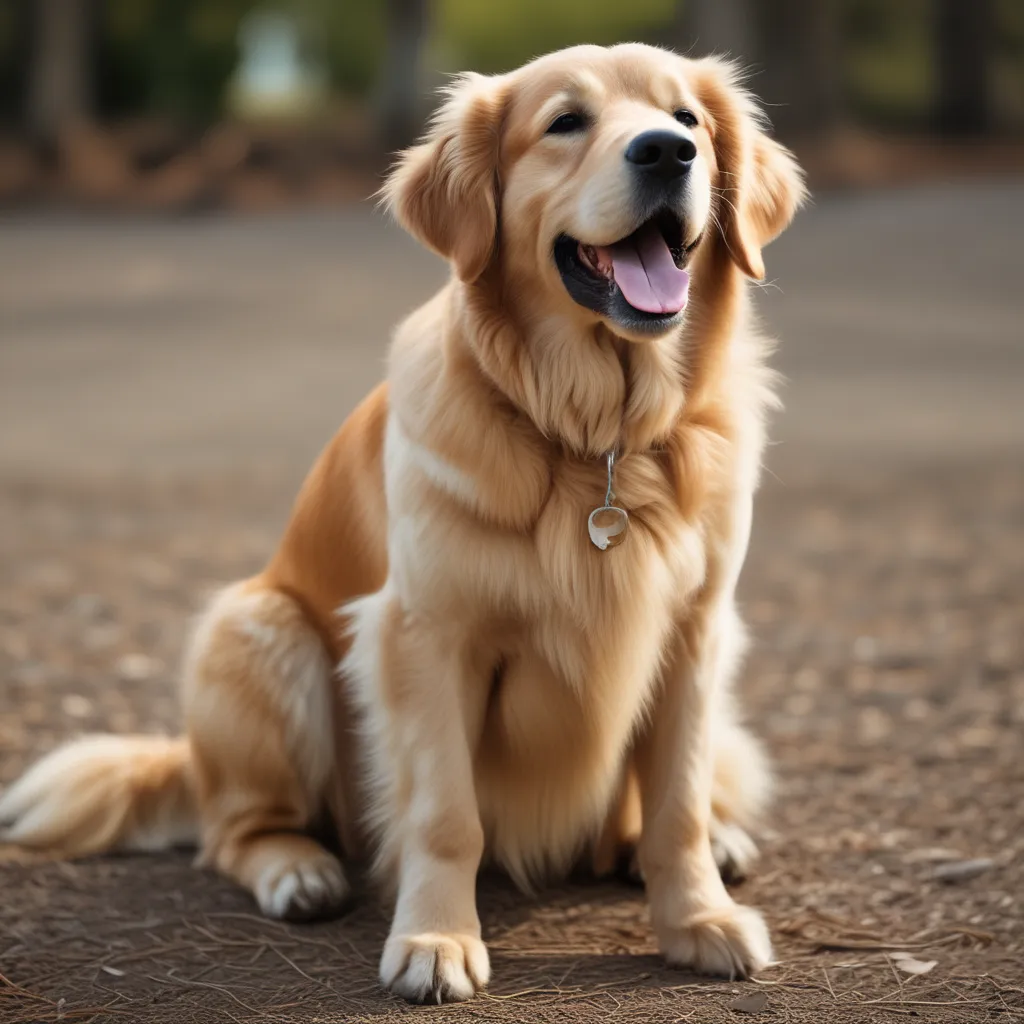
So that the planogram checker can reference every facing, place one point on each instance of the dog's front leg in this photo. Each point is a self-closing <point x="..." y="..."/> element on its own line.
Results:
<point x="424" y="717"/>
<point x="697" y="922"/>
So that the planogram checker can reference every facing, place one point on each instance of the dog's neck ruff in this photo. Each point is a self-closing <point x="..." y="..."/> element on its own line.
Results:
<point x="608" y="523"/>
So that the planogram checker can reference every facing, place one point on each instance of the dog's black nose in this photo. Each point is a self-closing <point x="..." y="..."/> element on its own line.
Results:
<point x="662" y="154"/>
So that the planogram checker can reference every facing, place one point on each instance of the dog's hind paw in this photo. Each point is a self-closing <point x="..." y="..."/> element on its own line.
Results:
<point x="304" y="890"/>
<point x="734" y="851"/>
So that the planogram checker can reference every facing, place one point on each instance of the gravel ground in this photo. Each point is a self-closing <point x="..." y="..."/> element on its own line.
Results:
<point x="163" y="386"/>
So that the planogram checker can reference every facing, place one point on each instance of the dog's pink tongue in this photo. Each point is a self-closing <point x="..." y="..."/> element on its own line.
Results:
<point x="647" y="274"/>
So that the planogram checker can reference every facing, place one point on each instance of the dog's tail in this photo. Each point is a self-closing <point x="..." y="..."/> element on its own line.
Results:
<point x="102" y="793"/>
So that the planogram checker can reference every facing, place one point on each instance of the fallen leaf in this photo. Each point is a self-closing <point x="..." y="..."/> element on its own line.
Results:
<point x="932" y="855"/>
<point x="911" y="965"/>
<point x="754" y="1003"/>
<point x="137" y="667"/>
<point x="76" y="706"/>
<point x="962" y="870"/>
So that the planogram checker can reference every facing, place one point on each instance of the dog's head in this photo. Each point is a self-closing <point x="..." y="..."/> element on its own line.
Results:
<point x="593" y="179"/>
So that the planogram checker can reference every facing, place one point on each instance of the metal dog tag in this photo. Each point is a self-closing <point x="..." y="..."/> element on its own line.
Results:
<point x="607" y="526"/>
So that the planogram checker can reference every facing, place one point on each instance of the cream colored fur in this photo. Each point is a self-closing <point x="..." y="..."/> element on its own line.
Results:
<point x="505" y="690"/>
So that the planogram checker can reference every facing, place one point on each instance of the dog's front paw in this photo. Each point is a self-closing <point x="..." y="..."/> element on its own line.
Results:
<point x="731" y="941"/>
<point x="435" y="968"/>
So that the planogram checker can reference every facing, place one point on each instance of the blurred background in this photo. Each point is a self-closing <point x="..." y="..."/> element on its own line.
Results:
<point x="195" y="291"/>
<point x="256" y="102"/>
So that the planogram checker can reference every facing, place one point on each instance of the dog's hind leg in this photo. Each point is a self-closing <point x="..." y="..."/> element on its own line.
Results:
<point x="258" y="706"/>
<point x="740" y="791"/>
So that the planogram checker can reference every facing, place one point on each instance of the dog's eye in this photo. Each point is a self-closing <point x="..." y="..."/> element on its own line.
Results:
<point x="566" y="123"/>
<point x="687" y="117"/>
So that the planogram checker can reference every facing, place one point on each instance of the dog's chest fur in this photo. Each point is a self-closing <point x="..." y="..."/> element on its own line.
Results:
<point x="581" y="668"/>
<point x="567" y="639"/>
<point x="488" y="544"/>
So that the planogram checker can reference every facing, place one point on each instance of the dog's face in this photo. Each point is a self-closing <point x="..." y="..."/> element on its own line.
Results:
<point x="590" y="179"/>
<point x="607" y="186"/>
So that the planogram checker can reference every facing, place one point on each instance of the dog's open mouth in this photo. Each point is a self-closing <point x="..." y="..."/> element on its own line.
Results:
<point x="645" y="271"/>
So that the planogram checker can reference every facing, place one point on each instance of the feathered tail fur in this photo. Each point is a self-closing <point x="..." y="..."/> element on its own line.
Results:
<point x="103" y="793"/>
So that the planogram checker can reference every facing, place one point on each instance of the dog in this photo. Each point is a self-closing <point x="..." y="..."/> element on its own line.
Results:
<point x="501" y="622"/>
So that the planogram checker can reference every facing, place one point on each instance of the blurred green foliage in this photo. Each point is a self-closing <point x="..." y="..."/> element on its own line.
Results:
<point x="889" y="70"/>
<point x="346" y="35"/>
<point x="492" y="37"/>
<point x="169" y="57"/>
<point x="176" y="57"/>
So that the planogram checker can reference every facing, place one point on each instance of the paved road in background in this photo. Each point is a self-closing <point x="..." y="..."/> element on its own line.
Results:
<point x="189" y="346"/>
<point x="164" y="384"/>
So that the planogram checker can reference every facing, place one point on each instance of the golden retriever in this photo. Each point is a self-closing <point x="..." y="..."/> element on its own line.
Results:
<point x="522" y="549"/>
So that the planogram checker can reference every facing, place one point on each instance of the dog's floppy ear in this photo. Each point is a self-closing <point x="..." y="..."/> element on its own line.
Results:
<point x="444" y="191"/>
<point x="760" y="183"/>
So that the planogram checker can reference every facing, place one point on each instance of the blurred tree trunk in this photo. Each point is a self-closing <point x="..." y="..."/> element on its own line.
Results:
<point x="963" y="31"/>
<point x="14" y="66"/>
<point x="792" y="46"/>
<point x="60" y="72"/>
<point x="399" y="105"/>
<point x="801" y="56"/>
<point x="724" y="27"/>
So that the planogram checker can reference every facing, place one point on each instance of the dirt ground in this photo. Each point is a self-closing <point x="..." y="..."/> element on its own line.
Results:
<point x="163" y="386"/>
